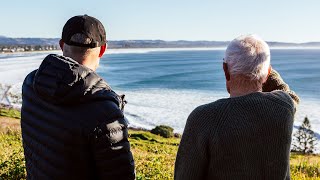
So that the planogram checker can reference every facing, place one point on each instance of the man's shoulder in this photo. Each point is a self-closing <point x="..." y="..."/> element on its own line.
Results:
<point x="206" y="118"/>
<point x="212" y="107"/>
<point x="209" y="111"/>
<point x="281" y="98"/>
<point x="29" y="78"/>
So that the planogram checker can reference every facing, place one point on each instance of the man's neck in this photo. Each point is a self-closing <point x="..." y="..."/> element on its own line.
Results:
<point x="236" y="92"/>
<point x="241" y="85"/>
<point x="88" y="61"/>
<point x="89" y="64"/>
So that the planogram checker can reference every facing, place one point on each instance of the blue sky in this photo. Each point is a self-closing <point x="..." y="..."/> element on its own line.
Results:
<point x="273" y="20"/>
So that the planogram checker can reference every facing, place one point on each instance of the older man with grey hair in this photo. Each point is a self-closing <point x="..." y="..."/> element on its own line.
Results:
<point x="245" y="136"/>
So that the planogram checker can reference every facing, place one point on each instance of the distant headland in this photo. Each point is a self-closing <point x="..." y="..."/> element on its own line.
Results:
<point x="8" y="44"/>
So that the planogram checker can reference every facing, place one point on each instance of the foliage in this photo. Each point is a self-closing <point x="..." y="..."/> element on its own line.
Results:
<point x="164" y="131"/>
<point x="305" y="139"/>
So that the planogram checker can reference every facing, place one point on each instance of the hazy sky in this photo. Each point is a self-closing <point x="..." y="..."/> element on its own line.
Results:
<point x="273" y="20"/>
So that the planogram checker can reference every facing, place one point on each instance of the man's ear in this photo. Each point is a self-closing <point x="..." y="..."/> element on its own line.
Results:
<point x="269" y="70"/>
<point x="226" y="71"/>
<point x="61" y="43"/>
<point x="102" y="50"/>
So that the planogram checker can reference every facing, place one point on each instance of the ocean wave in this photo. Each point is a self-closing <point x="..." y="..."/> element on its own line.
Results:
<point x="151" y="107"/>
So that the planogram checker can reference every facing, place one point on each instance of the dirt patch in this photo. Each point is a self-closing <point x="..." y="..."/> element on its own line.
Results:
<point x="9" y="123"/>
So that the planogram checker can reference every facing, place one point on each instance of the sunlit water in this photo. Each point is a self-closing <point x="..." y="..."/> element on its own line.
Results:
<point x="163" y="87"/>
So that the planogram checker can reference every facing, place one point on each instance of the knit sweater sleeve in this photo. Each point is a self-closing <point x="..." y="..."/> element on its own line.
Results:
<point x="275" y="82"/>
<point x="192" y="157"/>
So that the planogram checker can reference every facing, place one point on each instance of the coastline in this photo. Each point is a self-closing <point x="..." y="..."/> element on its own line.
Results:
<point x="144" y="107"/>
<point x="144" y="50"/>
<point x="30" y="52"/>
<point x="124" y="50"/>
<point x="9" y="113"/>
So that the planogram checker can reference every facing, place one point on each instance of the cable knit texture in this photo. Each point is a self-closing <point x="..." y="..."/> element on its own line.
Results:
<point x="246" y="137"/>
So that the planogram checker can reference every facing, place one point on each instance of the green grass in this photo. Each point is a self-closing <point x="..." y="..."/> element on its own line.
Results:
<point x="12" y="164"/>
<point x="13" y="113"/>
<point x="304" y="166"/>
<point x="154" y="157"/>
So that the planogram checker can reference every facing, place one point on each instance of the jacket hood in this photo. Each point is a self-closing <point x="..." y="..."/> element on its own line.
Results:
<point x="62" y="80"/>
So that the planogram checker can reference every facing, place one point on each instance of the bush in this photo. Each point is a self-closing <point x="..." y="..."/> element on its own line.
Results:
<point x="305" y="139"/>
<point x="164" y="131"/>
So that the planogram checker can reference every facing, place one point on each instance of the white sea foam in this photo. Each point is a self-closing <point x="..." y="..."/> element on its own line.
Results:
<point x="14" y="70"/>
<point x="148" y="108"/>
<point x="172" y="107"/>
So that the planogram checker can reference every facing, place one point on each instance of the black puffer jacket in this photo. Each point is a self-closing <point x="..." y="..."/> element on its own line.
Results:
<point x="72" y="124"/>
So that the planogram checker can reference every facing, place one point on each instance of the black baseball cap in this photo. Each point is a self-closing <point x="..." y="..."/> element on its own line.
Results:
<point x="89" y="26"/>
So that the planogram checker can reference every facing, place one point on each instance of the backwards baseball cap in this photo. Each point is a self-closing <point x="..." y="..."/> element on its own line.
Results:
<point x="85" y="26"/>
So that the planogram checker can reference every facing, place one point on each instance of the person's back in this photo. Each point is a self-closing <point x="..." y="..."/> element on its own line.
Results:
<point x="246" y="136"/>
<point x="72" y="123"/>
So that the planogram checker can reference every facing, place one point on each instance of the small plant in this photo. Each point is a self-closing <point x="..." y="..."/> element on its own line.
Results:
<point x="305" y="139"/>
<point x="14" y="167"/>
<point x="164" y="131"/>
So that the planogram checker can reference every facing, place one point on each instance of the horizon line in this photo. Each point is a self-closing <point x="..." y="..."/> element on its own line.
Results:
<point x="273" y="41"/>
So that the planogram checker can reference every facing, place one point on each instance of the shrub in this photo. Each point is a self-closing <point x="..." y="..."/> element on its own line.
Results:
<point x="305" y="139"/>
<point x="164" y="131"/>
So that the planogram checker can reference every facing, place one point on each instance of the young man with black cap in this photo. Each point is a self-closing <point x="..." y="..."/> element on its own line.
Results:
<point x="72" y="122"/>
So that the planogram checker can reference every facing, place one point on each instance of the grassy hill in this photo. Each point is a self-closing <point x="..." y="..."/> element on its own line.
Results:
<point x="154" y="155"/>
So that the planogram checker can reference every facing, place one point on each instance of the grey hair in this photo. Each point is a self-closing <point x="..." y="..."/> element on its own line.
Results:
<point x="249" y="56"/>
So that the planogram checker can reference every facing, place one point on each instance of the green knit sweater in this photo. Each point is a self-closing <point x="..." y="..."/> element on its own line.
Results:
<point x="246" y="137"/>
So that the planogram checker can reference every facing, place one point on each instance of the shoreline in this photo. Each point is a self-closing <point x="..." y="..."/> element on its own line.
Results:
<point x="29" y="52"/>
<point x="135" y="50"/>
<point x="9" y="116"/>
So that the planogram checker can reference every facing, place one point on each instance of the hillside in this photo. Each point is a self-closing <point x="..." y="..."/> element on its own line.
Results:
<point x="154" y="155"/>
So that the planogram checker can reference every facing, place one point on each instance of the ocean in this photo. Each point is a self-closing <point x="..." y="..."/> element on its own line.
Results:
<point x="164" y="86"/>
